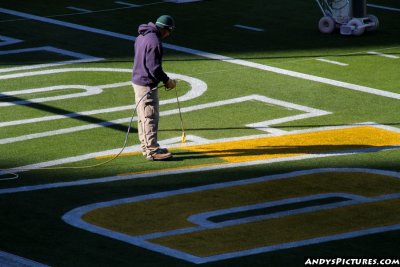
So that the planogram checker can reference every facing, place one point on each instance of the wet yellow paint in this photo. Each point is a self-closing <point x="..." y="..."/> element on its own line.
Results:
<point x="299" y="144"/>
<point x="291" y="145"/>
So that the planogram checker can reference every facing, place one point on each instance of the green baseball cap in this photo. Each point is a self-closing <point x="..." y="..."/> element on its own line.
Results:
<point x="166" y="22"/>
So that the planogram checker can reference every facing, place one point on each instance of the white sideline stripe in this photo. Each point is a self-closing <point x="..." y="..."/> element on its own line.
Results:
<point x="81" y="57"/>
<point x="10" y="260"/>
<point x="295" y="74"/>
<point x="127" y="4"/>
<point x="332" y="62"/>
<point x="312" y="113"/>
<point x="248" y="28"/>
<point x="384" y="7"/>
<point x="79" y="9"/>
<point x="382" y="55"/>
<point x="8" y="40"/>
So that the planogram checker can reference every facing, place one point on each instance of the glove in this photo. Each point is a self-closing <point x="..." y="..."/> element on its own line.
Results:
<point x="170" y="84"/>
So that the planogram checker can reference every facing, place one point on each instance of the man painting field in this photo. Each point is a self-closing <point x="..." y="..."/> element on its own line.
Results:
<point x="292" y="147"/>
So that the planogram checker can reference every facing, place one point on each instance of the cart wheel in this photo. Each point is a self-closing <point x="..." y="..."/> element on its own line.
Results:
<point x="359" y="30"/>
<point x="375" y="20"/>
<point x="326" y="24"/>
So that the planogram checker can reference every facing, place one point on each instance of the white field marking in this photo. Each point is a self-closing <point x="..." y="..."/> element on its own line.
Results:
<point x="127" y="4"/>
<point x="81" y="57"/>
<point x="196" y="141"/>
<point x="90" y="90"/>
<point x="280" y="71"/>
<point x="203" y="222"/>
<point x="261" y="125"/>
<point x="384" y="7"/>
<point x="7" y="259"/>
<point x="197" y="88"/>
<point x="249" y="28"/>
<point x="181" y="1"/>
<point x="74" y="217"/>
<point x="382" y="55"/>
<point x="84" y="10"/>
<point x="332" y="62"/>
<point x="203" y="219"/>
<point x="171" y="142"/>
<point x="183" y="171"/>
<point x="8" y="40"/>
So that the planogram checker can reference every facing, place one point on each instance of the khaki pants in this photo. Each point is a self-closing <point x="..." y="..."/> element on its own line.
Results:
<point x="148" y="117"/>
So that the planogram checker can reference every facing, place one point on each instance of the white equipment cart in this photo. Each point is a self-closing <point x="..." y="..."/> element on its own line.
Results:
<point x="350" y="16"/>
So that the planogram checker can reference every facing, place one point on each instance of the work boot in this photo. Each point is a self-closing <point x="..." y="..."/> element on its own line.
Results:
<point x="160" y="154"/>
<point x="159" y="150"/>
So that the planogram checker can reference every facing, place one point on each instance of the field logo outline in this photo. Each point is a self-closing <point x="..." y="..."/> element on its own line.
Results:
<point x="74" y="217"/>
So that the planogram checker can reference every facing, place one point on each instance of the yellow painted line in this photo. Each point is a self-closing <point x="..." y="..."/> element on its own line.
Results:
<point x="285" y="146"/>
<point x="299" y="144"/>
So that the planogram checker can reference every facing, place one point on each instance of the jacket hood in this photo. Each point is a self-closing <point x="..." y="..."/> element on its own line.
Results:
<point x="148" y="28"/>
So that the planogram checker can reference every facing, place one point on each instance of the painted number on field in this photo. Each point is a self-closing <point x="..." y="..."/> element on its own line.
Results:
<point x="227" y="220"/>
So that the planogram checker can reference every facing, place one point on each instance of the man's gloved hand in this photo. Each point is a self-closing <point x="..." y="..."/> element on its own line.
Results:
<point x="170" y="84"/>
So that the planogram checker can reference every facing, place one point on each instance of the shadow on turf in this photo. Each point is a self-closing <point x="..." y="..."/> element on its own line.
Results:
<point x="305" y="126"/>
<point x="279" y="151"/>
<point x="67" y="113"/>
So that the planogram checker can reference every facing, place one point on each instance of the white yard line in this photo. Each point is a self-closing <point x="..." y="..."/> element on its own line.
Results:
<point x="383" y="55"/>
<point x="384" y="7"/>
<point x="332" y="62"/>
<point x="127" y="4"/>
<point x="84" y="10"/>
<point x="280" y="71"/>
<point x="248" y="28"/>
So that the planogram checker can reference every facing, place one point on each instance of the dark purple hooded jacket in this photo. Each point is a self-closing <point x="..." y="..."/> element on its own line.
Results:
<point x="147" y="68"/>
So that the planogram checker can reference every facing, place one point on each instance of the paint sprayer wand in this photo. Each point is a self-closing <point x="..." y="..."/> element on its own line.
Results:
<point x="183" y="137"/>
